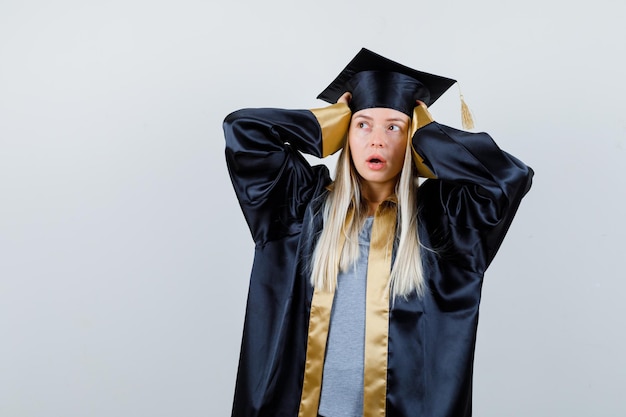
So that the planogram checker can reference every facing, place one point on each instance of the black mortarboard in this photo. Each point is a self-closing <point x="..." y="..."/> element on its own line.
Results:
<point x="376" y="81"/>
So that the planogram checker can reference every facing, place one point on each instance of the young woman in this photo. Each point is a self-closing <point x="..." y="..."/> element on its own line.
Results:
<point x="365" y="290"/>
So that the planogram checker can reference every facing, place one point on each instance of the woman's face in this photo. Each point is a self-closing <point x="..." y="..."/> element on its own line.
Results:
<point x="377" y="139"/>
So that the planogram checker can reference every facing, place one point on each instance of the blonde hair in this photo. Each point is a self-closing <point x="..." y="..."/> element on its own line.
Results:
<point x="345" y="197"/>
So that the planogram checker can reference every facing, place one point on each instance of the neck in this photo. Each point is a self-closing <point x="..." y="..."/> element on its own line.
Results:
<point x="374" y="194"/>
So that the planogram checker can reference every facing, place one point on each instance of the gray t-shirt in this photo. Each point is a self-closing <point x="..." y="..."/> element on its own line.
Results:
<point x="342" y="383"/>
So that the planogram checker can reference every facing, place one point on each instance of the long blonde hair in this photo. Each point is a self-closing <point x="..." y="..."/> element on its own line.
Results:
<point x="344" y="197"/>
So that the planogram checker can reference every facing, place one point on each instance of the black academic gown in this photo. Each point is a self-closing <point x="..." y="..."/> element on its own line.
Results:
<point x="464" y="215"/>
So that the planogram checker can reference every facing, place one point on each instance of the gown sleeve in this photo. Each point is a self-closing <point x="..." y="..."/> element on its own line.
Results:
<point x="272" y="180"/>
<point x="469" y="204"/>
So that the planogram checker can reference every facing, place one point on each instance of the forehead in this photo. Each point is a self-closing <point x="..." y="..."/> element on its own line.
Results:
<point x="381" y="114"/>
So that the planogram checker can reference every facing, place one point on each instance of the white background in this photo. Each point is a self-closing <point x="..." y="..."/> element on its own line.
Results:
<point x="124" y="258"/>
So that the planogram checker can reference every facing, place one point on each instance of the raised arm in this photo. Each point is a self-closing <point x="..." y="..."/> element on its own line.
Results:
<point x="475" y="192"/>
<point x="271" y="178"/>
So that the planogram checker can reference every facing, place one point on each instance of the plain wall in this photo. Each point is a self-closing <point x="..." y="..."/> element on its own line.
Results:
<point x="124" y="258"/>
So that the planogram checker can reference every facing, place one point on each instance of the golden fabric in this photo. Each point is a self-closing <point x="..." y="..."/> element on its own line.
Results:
<point x="376" y="323"/>
<point x="334" y="121"/>
<point x="319" y="322"/>
<point x="377" y="311"/>
<point x="421" y="117"/>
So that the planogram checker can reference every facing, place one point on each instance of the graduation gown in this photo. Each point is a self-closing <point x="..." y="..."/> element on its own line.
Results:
<point x="465" y="211"/>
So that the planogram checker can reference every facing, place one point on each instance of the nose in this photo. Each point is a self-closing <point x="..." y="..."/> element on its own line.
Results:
<point x="377" y="139"/>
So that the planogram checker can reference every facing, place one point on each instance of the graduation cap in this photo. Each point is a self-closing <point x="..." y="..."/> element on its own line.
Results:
<point x="376" y="81"/>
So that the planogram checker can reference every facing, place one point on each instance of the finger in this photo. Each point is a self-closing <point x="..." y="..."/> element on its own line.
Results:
<point x="345" y="98"/>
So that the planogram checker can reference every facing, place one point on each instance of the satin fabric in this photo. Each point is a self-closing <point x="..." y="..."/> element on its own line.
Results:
<point x="464" y="215"/>
<point x="391" y="90"/>
<point x="377" y="310"/>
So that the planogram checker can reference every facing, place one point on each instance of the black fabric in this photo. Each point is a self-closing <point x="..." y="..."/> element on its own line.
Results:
<point x="464" y="214"/>
<point x="391" y="90"/>
<point x="367" y="61"/>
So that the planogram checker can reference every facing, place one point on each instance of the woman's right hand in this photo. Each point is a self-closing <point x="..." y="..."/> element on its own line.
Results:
<point x="345" y="98"/>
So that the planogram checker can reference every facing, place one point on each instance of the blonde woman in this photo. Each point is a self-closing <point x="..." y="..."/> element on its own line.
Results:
<point x="365" y="289"/>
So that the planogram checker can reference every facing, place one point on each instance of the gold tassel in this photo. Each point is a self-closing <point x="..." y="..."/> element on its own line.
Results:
<point x="466" y="115"/>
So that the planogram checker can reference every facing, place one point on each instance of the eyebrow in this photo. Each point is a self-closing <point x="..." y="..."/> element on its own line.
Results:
<point x="391" y="119"/>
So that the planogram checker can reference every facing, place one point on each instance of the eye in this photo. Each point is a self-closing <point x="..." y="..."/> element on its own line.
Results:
<point x="361" y="125"/>
<point x="394" y="128"/>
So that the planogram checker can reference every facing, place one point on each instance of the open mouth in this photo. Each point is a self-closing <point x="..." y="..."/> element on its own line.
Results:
<point x="375" y="162"/>
<point x="376" y="158"/>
